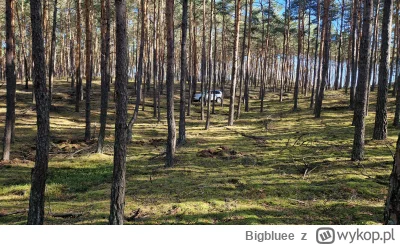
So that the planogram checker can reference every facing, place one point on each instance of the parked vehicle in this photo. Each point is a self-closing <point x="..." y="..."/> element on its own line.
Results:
<point x="215" y="95"/>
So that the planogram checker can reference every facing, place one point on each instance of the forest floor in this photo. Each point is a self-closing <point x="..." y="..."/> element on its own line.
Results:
<point x="276" y="167"/>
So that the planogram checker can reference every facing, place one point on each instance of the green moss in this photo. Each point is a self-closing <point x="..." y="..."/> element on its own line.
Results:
<point x="262" y="183"/>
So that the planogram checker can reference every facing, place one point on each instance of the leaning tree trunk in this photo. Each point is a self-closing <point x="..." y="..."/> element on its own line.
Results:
<point x="392" y="205"/>
<point x="105" y="71"/>
<point x="361" y="91"/>
<point x="380" y="129"/>
<point x="121" y="101"/>
<point x="11" y="79"/>
<point x="171" y="141"/>
<point x="39" y="172"/>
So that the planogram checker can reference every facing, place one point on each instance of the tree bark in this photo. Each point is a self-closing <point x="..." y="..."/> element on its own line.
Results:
<point x="105" y="71"/>
<point x="248" y="66"/>
<point x="325" y="66"/>
<point x="299" y="47"/>
<point x="392" y="204"/>
<point x="361" y="96"/>
<point x="121" y="101"/>
<point x="139" y="73"/>
<point x="52" y="53"/>
<point x="182" y="106"/>
<point x="88" y="69"/>
<point x="312" y="99"/>
<point x="353" y="57"/>
<point x="39" y="172"/>
<point x="10" y="79"/>
<point x="78" y="91"/>
<point x="380" y="129"/>
<point x="242" y="62"/>
<point x="171" y="140"/>
<point x="234" y="64"/>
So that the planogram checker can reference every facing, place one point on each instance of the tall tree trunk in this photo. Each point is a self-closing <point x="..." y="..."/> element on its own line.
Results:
<point x="353" y="57"/>
<point x="121" y="104"/>
<point x="380" y="129"/>
<point x="39" y="172"/>
<point x="171" y="141"/>
<point x="307" y="68"/>
<point x="299" y="47"/>
<point x="182" y="106"/>
<point x="214" y="79"/>
<point x="155" y="59"/>
<point x="52" y="53"/>
<point x="139" y="73"/>
<point x="242" y="62"/>
<point x="248" y="66"/>
<point x="23" y="43"/>
<point x="10" y="79"/>
<point x="203" y="62"/>
<point x="88" y="69"/>
<point x="78" y="91"/>
<point x="396" y="88"/>
<point x="210" y="70"/>
<point x="338" y="75"/>
<point x="312" y="99"/>
<point x="361" y="96"/>
<point x="325" y="66"/>
<point x="234" y="64"/>
<point x="105" y="71"/>
<point x="392" y="205"/>
<point x="71" y="49"/>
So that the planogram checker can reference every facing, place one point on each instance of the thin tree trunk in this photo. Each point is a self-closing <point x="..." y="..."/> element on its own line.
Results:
<point x="10" y="79"/>
<point x="78" y="92"/>
<point x="105" y="71"/>
<point x="299" y="47"/>
<point x="248" y="66"/>
<point x="339" y="57"/>
<point x="88" y="70"/>
<point x="353" y="58"/>
<point x="171" y="140"/>
<point x="203" y="63"/>
<point x="52" y="53"/>
<point x="325" y="67"/>
<point x="361" y="96"/>
<point x="315" y="56"/>
<point x="210" y="71"/>
<point x="234" y="64"/>
<point x="392" y="205"/>
<point x="242" y="62"/>
<point x="139" y="76"/>
<point x="182" y="123"/>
